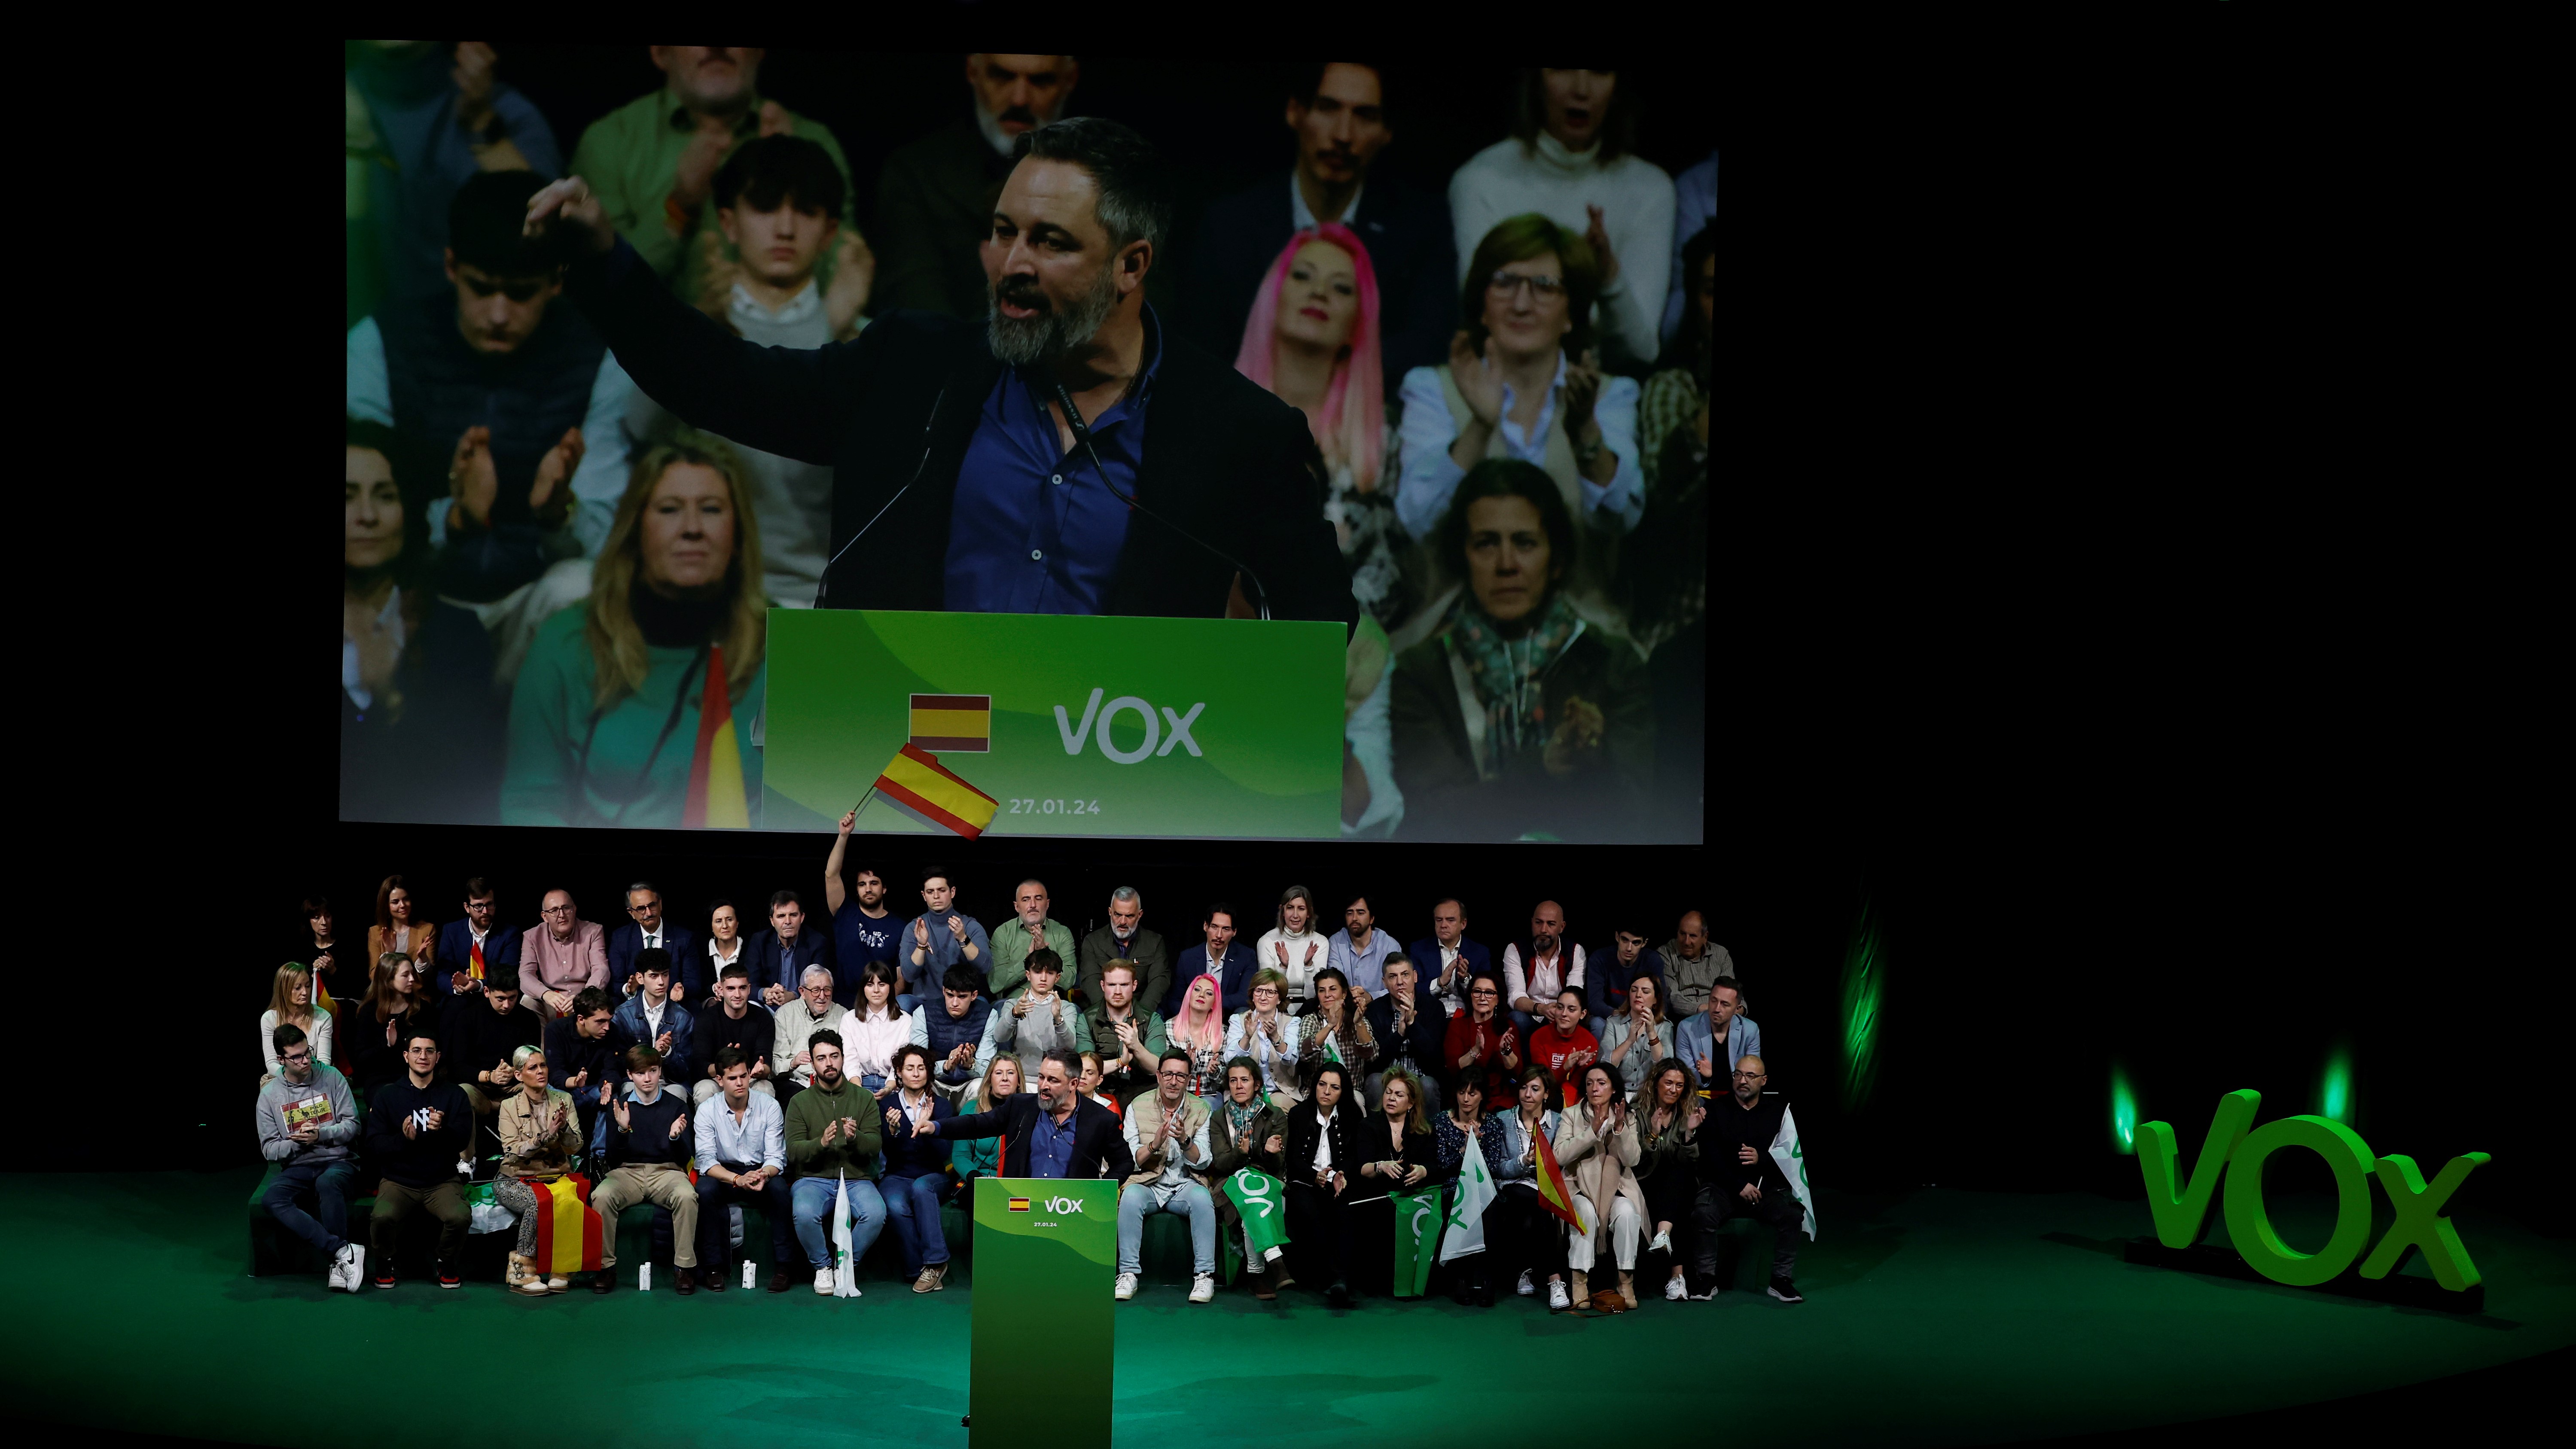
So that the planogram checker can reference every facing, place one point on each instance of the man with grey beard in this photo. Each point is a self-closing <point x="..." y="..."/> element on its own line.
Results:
<point x="961" y="480"/>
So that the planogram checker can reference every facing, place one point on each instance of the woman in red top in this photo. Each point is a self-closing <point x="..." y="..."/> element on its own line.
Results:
<point x="1480" y="1041"/>
<point x="1565" y="1046"/>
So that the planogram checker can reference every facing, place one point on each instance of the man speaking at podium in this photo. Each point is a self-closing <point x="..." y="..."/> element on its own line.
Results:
<point x="1056" y="1133"/>
<point x="961" y="482"/>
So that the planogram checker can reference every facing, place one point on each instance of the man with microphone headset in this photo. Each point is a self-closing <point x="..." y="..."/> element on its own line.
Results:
<point x="1004" y="467"/>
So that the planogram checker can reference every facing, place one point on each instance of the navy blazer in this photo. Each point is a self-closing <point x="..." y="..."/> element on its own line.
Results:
<point x="456" y="949"/>
<point x="1099" y="1139"/>
<point x="1603" y="996"/>
<point x="689" y="963"/>
<point x="1425" y="956"/>
<point x="1235" y="976"/>
<point x="1410" y="248"/>
<point x="770" y="964"/>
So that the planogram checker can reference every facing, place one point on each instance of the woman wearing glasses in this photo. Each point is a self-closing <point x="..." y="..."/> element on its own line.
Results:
<point x="1522" y="381"/>
<point x="1481" y="1045"/>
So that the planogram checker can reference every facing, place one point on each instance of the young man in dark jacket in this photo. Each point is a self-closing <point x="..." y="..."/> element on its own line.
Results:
<point x="1053" y="1133"/>
<point x="417" y="1128"/>
<point x="955" y="1028"/>
<point x="733" y="1019"/>
<point x="482" y="1031"/>
<point x="1739" y="1178"/>
<point x="579" y="1056"/>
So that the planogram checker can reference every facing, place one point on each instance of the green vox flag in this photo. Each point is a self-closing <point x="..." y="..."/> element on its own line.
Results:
<point x="1417" y="1239"/>
<point x="1263" y="1201"/>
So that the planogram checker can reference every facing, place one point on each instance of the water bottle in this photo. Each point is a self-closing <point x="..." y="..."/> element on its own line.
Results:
<point x="748" y="1280"/>
<point x="644" y="1278"/>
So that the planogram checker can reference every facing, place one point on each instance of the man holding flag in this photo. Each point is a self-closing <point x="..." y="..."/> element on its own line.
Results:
<point x="1751" y="1165"/>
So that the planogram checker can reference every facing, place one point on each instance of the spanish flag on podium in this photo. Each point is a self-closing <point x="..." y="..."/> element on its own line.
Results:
<point x="915" y="783"/>
<point x="716" y="796"/>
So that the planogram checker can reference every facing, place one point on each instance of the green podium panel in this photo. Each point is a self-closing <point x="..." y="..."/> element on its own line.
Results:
<point x="1072" y="724"/>
<point x="1046" y="1254"/>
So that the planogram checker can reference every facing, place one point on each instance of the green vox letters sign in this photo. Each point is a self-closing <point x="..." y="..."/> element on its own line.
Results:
<point x="2181" y="1207"/>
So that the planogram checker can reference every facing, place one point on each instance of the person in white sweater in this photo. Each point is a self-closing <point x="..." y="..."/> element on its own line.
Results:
<point x="290" y="1003"/>
<point x="1568" y="160"/>
<point x="1294" y="948"/>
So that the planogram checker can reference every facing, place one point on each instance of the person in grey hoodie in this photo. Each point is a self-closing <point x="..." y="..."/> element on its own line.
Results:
<point x="306" y="1118"/>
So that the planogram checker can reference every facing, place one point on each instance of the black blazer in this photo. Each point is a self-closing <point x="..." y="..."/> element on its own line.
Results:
<point x="772" y="962"/>
<point x="893" y="411"/>
<point x="1369" y="1142"/>
<point x="688" y="959"/>
<point x="1430" y="1025"/>
<point x="1097" y="1137"/>
<point x="1407" y="234"/>
<point x="1350" y="1145"/>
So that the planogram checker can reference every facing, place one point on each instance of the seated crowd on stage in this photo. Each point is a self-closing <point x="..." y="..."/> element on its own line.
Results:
<point x="761" y="1052"/>
<point x="1508" y="385"/>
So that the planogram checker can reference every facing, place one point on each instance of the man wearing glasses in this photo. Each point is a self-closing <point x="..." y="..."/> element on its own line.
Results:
<point x="470" y="948"/>
<point x="560" y="957"/>
<point x="1714" y="1040"/>
<point x="417" y="1128"/>
<point x="645" y="930"/>
<point x="1167" y="1135"/>
<point x="1740" y="1178"/>
<point x="306" y="1118"/>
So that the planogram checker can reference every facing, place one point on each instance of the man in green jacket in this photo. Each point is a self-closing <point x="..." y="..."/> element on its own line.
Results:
<point x="1026" y="931"/>
<point x="833" y="1131"/>
<point x="1128" y="1039"/>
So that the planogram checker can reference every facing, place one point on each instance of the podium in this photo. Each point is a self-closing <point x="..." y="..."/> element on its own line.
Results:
<point x="1073" y="725"/>
<point x="1046" y="1254"/>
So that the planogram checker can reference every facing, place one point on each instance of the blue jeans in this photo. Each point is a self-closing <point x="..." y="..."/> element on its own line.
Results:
<point x="1137" y="1200"/>
<point x="913" y="1203"/>
<point x="328" y="1182"/>
<point x="715" y="1225"/>
<point x="813" y="1216"/>
<point x="871" y="1082"/>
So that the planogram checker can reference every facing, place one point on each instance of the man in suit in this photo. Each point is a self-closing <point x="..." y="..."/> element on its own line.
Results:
<point x="1234" y="964"/>
<point x="956" y="463"/>
<point x="1052" y="1134"/>
<point x="470" y="947"/>
<point x="1446" y="958"/>
<point x="779" y="955"/>
<point x="1124" y="939"/>
<point x="935" y="197"/>
<point x="1407" y="1025"/>
<point x="646" y="930"/>
<point x="1338" y="112"/>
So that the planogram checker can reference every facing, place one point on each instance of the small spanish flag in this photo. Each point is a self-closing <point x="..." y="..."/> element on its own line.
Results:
<point x="960" y="722"/>
<point x="568" y="1231"/>
<point x="915" y="783"/>
<point x="715" y="795"/>
<point x="1019" y="1204"/>
<point x="1553" y="1193"/>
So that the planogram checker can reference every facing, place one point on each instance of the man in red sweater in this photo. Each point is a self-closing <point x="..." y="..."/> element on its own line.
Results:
<point x="1565" y="1046"/>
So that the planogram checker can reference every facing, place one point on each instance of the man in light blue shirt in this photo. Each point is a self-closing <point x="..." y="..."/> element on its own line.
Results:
<point x="742" y="1158"/>
<point x="1698" y="1039"/>
<point x="1359" y="950"/>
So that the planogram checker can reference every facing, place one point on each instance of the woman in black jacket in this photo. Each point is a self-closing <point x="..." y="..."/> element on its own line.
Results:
<point x="1397" y="1154"/>
<point x="1327" y="1144"/>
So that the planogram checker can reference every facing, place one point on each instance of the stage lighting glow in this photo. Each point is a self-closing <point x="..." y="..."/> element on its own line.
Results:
<point x="2335" y="1095"/>
<point x="1864" y="977"/>
<point x="2124" y="1113"/>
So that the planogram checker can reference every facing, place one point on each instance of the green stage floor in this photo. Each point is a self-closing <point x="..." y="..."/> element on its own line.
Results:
<point x="1933" y="1318"/>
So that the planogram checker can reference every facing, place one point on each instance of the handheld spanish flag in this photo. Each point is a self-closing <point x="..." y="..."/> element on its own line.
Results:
<point x="715" y="772"/>
<point x="568" y="1232"/>
<point x="1553" y="1193"/>
<point x="918" y="785"/>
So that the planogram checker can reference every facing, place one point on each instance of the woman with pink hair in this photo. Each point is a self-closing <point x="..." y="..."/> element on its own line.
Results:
<point x="1198" y="1028"/>
<point x="1312" y="340"/>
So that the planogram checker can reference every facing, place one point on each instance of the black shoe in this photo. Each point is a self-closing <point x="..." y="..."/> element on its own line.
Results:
<point x="688" y="1281"/>
<point x="1484" y="1294"/>
<point x="1785" y="1291"/>
<point x="715" y="1278"/>
<point x="604" y="1281"/>
<point x="1339" y="1295"/>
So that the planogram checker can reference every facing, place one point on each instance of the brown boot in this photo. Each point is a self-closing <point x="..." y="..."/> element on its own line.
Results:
<point x="1580" y="1287"/>
<point x="523" y="1277"/>
<point x="1262" y="1286"/>
<point x="1627" y="1291"/>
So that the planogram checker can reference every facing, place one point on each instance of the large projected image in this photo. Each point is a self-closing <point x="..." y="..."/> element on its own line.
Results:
<point x="1105" y="476"/>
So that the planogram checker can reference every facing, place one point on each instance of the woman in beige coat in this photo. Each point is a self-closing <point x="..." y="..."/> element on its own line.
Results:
<point x="1597" y="1146"/>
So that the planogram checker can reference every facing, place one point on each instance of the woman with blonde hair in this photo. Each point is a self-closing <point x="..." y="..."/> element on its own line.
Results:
<point x="1294" y="948"/>
<point x="540" y="1139"/>
<point x="972" y="1158"/>
<point x="636" y="707"/>
<point x="290" y="1002"/>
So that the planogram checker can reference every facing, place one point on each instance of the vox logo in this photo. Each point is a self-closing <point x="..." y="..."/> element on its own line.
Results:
<point x="1065" y="1206"/>
<point x="2182" y="1208"/>
<point x="1161" y="734"/>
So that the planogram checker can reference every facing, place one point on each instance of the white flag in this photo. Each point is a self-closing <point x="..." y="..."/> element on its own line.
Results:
<point x="1793" y="1165"/>
<point x="845" y="1279"/>
<point x="1464" y="1231"/>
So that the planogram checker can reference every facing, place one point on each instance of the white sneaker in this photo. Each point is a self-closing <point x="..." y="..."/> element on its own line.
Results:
<point x="1663" y="1243"/>
<point x="357" y="1274"/>
<point x="1557" y="1297"/>
<point x="1203" y="1288"/>
<point x="823" y="1283"/>
<point x="337" y="1275"/>
<point x="1525" y="1289"/>
<point x="1126" y="1287"/>
<point x="1674" y="1292"/>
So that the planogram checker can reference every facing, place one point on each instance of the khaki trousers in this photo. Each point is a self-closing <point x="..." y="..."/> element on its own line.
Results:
<point x="661" y="1186"/>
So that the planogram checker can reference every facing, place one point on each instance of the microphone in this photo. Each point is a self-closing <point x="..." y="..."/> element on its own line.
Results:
<point x="1082" y="435"/>
<point x="825" y="587"/>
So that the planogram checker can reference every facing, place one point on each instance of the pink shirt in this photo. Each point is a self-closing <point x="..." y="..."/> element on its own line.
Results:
<point x="546" y="964"/>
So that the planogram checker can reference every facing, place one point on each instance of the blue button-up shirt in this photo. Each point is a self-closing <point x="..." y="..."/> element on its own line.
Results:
<point x="759" y="1138"/>
<point x="1033" y="530"/>
<point x="1365" y="970"/>
<point x="1692" y="1040"/>
<point x="1051" y="1146"/>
